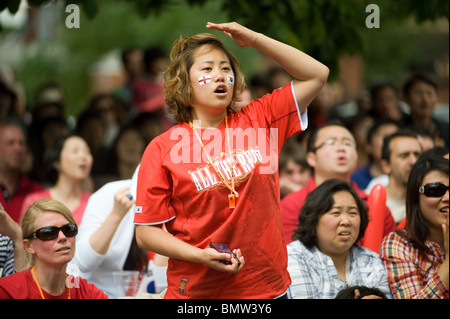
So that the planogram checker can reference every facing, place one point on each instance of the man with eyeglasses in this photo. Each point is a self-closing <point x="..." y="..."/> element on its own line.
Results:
<point x="331" y="152"/>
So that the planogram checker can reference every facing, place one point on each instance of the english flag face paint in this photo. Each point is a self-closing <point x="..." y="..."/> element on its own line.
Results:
<point x="230" y="79"/>
<point x="205" y="79"/>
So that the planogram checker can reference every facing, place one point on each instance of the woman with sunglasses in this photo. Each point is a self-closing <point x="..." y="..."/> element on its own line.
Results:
<point x="49" y="232"/>
<point x="417" y="258"/>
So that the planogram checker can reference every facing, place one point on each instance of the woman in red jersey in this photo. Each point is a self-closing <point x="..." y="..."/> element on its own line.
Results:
<point x="213" y="177"/>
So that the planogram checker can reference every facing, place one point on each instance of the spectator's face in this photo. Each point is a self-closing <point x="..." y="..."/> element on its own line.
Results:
<point x="130" y="147"/>
<point x="435" y="209"/>
<point x="55" y="252"/>
<point x="12" y="147"/>
<point x="422" y="99"/>
<point x="386" y="103"/>
<point x="76" y="159"/>
<point x="338" y="229"/>
<point x="376" y="144"/>
<point x="295" y="173"/>
<point x="336" y="155"/>
<point x="404" y="153"/>
<point x="211" y="86"/>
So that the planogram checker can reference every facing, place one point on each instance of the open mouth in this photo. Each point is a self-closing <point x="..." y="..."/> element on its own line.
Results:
<point x="341" y="160"/>
<point x="345" y="235"/>
<point x="83" y="167"/>
<point x="221" y="89"/>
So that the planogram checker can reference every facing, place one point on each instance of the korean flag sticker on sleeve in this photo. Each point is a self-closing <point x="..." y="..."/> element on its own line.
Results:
<point x="138" y="209"/>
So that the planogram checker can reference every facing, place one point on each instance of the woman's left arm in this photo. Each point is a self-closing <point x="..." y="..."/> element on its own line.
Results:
<point x="310" y="75"/>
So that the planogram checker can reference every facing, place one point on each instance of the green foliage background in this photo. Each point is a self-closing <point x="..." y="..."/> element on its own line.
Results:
<point x="325" y="29"/>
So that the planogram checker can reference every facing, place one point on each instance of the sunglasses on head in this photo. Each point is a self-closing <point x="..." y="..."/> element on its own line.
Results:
<point x="51" y="232"/>
<point x="433" y="189"/>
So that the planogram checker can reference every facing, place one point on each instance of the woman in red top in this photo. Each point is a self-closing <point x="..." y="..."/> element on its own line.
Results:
<point x="49" y="231"/>
<point x="213" y="177"/>
<point x="69" y="162"/>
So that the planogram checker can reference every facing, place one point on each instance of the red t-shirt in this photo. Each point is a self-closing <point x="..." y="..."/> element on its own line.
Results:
<point x="293" y="202"/>
<point x="12" y="203"/>
<point x="77" y="213"/>
<point x="21" y="285"/>
<point x="148" y="95"/>
<point x="177" y="186"/>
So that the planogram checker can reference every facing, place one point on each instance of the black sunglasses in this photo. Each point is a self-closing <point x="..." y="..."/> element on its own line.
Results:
<point x="51" y="232"/>
<point x="433" y="189"/>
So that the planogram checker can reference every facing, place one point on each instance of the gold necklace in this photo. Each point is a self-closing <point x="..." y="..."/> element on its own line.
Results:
<point x="33" y="273"/>
<point x="233" y="193"/>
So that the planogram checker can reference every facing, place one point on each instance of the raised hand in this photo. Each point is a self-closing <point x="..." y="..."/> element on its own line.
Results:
<point x="241" y="35"/>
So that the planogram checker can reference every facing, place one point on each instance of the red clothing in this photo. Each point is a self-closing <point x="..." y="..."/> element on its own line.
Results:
<point x="189" y="197"/>
<point x="12" y="203"/>
<point x="76" y="213"/>
<point x="148" y="95"/>
<point x="293" y="202"/>
<point x="21" y="285"/>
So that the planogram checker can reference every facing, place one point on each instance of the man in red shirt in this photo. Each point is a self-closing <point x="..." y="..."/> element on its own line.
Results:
<point x="14" y="185"/>
<point x="331" y="152"/>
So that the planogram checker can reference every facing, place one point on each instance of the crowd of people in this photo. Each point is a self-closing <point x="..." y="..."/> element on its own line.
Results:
<point x="182" y="156"/>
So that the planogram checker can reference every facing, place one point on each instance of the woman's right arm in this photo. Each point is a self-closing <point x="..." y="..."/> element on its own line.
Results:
<point x="102" y="237"/>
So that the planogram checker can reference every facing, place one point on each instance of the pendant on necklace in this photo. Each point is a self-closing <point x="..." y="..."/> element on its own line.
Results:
<point x="231" y="200"/>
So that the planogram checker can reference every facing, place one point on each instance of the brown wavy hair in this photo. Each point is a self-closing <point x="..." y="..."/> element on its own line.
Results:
<point x="177" y="85"/>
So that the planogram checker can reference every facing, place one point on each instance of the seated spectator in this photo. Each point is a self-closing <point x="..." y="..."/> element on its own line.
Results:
<point x="325" y="257"/>
<point x="360" y="125"/>
<point x="385" y="98"/>
<point x="293" y="169"/>
<point x="150" y="125"/>
<point x="12" y="108"/>
<point x="331" y="152"/>
<point x="69" y="164"/>
<point x="43" y="134"/>
<point x="106" y="241"/>
<point x="12" y="255"/>
<point x="147" y="90"/>
<point x="420" y="92"/>
<point x="417" y="257"/>
<point x="400" y="152"/>
<point x="381" y="128"/>
<point x="133" y="67"/>
<point x="49" y="232"/>
<point x="112" y="111"/>
<point x="127" y="152"/>
<point x="92" y="128"/>
<point x="14" y="184"/>
<point x="424" y="135"/>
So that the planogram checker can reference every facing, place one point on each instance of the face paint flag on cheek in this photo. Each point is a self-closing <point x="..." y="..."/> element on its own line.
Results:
<point x="205" y="79"/>
<point x="230" y="79"/>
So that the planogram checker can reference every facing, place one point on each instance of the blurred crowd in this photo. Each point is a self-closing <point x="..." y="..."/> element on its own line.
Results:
<point x="43" y="155"/>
